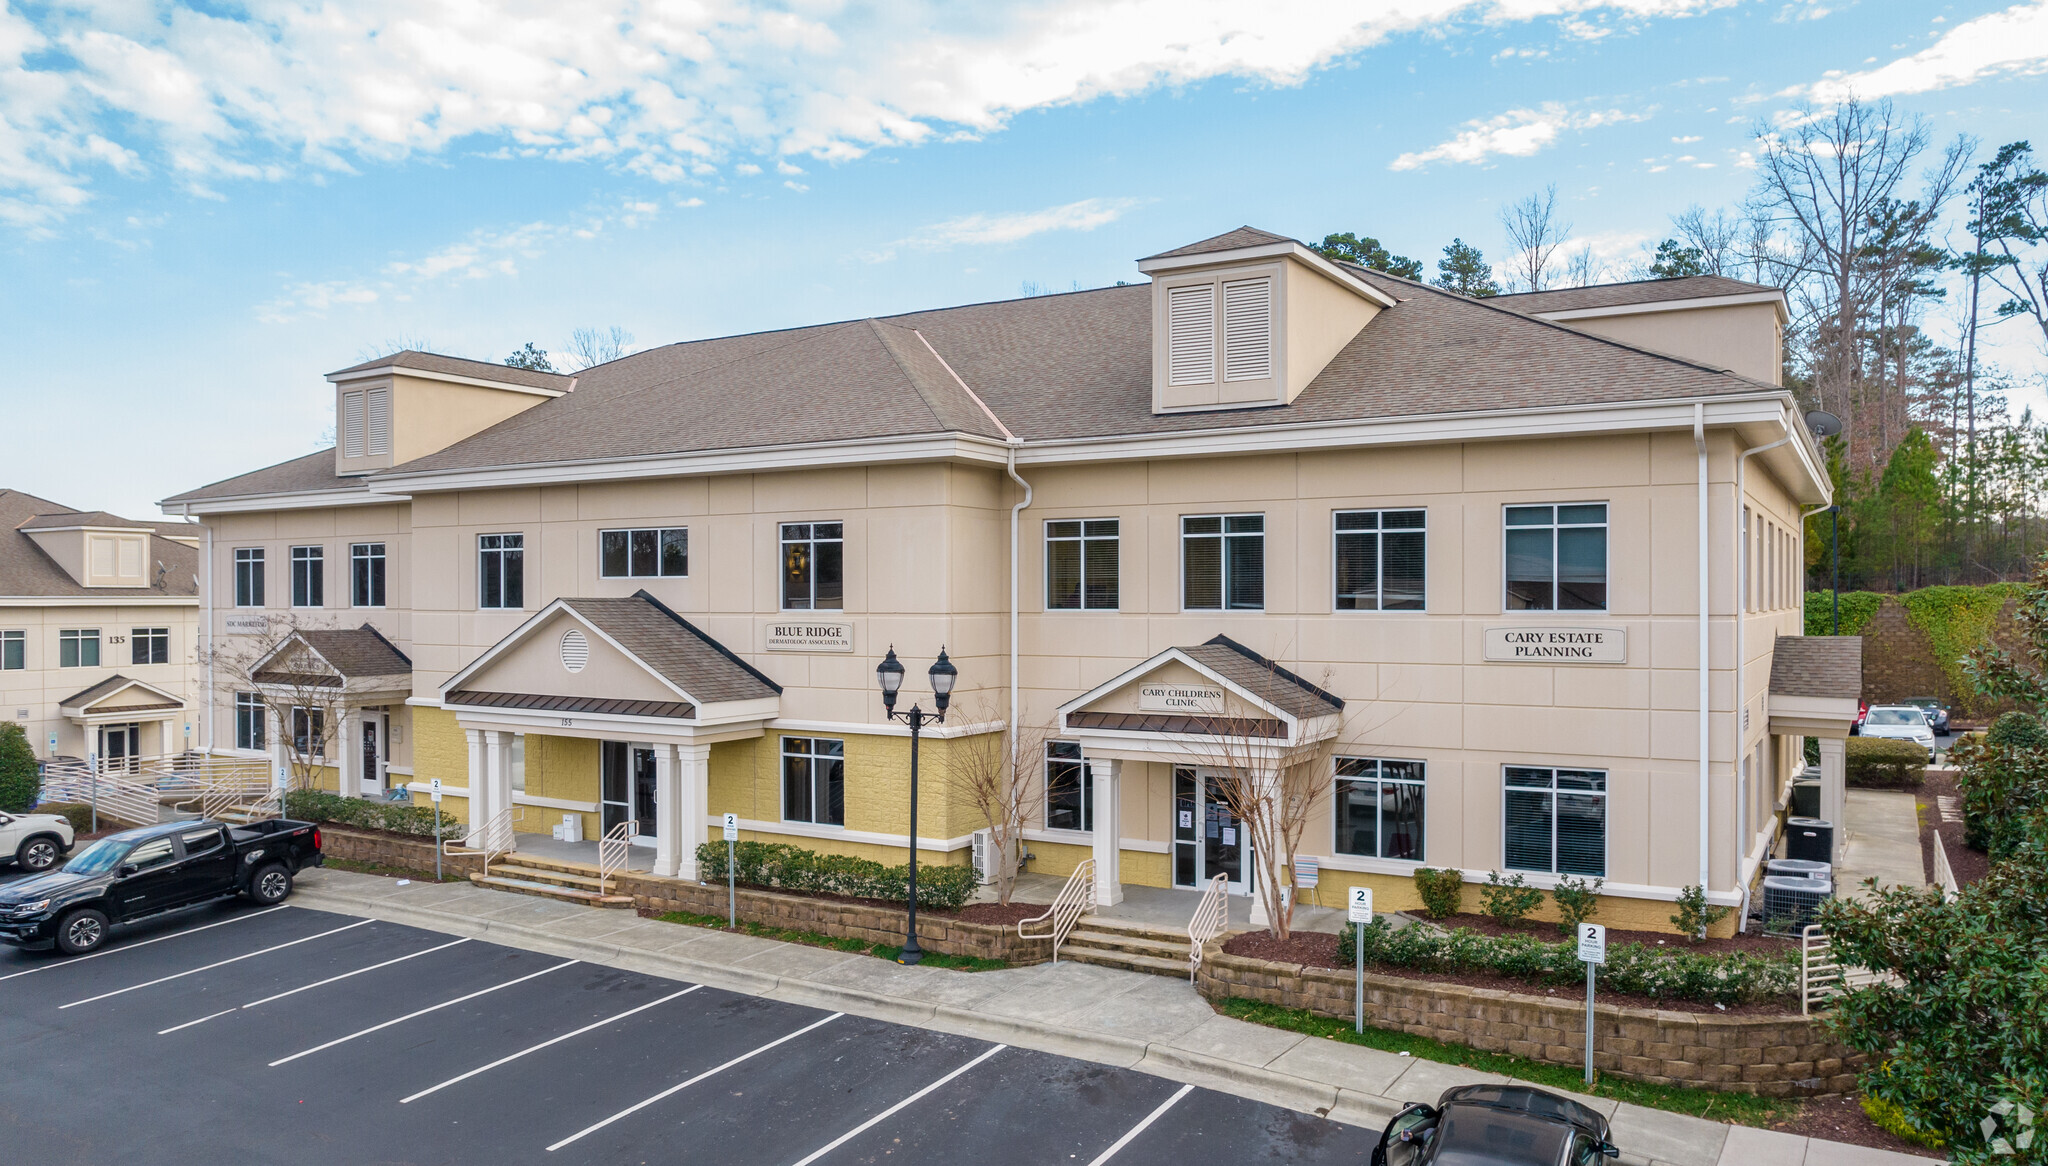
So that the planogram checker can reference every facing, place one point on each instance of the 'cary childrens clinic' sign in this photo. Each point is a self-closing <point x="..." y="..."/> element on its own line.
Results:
<point x="1180" y="698"/>
<point x="1526" y="645"/>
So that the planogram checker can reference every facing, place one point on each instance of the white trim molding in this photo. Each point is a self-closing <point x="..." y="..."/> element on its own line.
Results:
<point x="1774" y="298"/>
<point x="399" y="370"/>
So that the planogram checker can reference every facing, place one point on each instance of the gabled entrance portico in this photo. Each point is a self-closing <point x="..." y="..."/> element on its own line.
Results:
<point x="352" y="674"/>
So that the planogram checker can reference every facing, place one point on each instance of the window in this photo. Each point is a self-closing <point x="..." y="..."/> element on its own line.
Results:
<point x="309" y="732"/>
<point x="78" y="648"/>
<point x="13" y="651"/>
<point x="201" y="842"/>
<point x="1379" y="556"/>
<point x="249" y="577"/>
<point x="1379" y="808"/>
<point x="1248" y="330"/>
<point x="366" y="574"/>
<point x="149" y="646"/>
<point x="1556" y="820"/>
<point x="1080" y="564"/>
<point x="1223" y="562"/>
<point x="1557" y="557"/>
<point x="1191" y="335"/>
<point x="249" y="724"/>
<point x="813" y="566"/>
<point x="1069" y="788"/>
<point x="518" y="763"/>
<point x="814" y="781"/>
<point x="501" y="570"/>
<point x="309" y="576"/>
<point x="151" y="853"/>
<point x="644" y="554"/>
<point x="1748" y="568"/>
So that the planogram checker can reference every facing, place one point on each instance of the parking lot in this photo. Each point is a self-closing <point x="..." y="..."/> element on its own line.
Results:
<point x="290" y="1035"/>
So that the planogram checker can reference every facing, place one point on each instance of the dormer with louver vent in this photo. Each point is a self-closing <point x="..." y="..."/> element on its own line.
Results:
<point x="410" y="404"/>
<point x="1247" y="319"/>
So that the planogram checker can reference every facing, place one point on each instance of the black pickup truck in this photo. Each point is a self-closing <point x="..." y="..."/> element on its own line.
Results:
<point x="153" y="869"/>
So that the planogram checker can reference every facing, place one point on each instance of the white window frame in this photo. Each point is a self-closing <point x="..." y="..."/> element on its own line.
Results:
<point x="1081" y="542"/>
<point x="308" y="565"/>
<point x="249" y="577"/>
<point x="310" y="717"/>
<point x="1606" y="818"/>
<point x="1379" y="825"/>
<point x="251" y="723"/>
<point x="19" y="639"/>
<point x="1606" y="525"/>
<point x="661" y="534"/>
<point x="1380" y="559"/>
<point x="379" y="556"/>
<point x="138" y="637"/>
<point x="482" y="552"/>
<point x="1087" y="791"/>
<point x="783" y="541"/>
<point x="1223" y="561"/>
<point x="79" y="637"/>
<point x="783" y="755"/>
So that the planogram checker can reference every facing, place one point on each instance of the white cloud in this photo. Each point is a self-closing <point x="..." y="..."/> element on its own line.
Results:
<point x="668" y="89"/>
<point x="1085" y="215"/>
<point x="2014" y="41"/>
<point x="1517" y="133"/>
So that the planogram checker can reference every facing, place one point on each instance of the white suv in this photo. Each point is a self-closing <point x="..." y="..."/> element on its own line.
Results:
<point x="34" y="841"/>
<point x="1900" y="722"/>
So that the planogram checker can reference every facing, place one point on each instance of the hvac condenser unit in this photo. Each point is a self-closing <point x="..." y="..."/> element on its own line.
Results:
<point x="985" y="856"/>
<point x="1790" y="903"/>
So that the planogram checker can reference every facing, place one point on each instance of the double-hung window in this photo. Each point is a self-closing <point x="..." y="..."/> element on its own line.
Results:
<point x="13" y="651"/>
<point x="1380" y="560"/>
<point x="501" y="571"/>
<point x="1556" y="557"/>
<point x="309" y="732"/>
<point x="1223" y="562"/>
<point x="149" y="646"/>
<point x="1069" y="791"/>
<point x="814" y="780"/>
<point x="647" y="553"/>
<point x="813" y="566"/>
<point x="366" y="574"/>
<point x="1555" y="820"/>
<point x="249" y="723"/>
<point x="309" y="576"/>
<point x="249" y="577"/>
<point x="1081" y="564"/>
<point x="78" y="648"/>
<point x="1379" y="808"/>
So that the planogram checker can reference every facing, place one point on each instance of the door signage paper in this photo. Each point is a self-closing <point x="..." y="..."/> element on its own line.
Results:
<point x="1525" y="645"/>
<point x="1202" y="699"/>
<point x="1187" y="817"/>
<point x="810" y="636"/>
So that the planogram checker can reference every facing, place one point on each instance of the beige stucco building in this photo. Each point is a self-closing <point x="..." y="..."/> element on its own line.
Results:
<point x="1517" y="568"/>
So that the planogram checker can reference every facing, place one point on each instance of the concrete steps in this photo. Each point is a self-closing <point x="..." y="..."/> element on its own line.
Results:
<point x="568" y="882"/>
<point x="1131" y="947"/>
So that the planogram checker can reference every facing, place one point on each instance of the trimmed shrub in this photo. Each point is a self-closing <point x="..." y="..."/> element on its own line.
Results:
<point x="1893" y="1120"/>
<point x="314" y="805"/>
<point x="20" y="779"/>
<point x="1577" y="901"/>
<point x="1508" y="899"/>
<point x="784" y="867"/>
<point x="1442" y="890"/>
<point x="1880" y="763"/>
<point x="2003" y="778"/>
<point x="1635" y="968"/>
<point x="79" y="816"/>
<point x="1695" y="914"/>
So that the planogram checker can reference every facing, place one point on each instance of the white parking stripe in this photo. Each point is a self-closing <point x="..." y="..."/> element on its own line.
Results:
<point x="1140" y="1128"/>
<point x="422" y="1012"/>
<point x="675" y="1089"/>
<point x="79" y="959"/>
<point x="217" y="964"/>
<point x="544" y="1044"/>
<point x="863" y="1127"/>
<point x="311" y="986"/>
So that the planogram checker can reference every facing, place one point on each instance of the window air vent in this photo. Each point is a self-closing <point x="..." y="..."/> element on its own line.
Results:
<point x="1248" y="330"/>
<point x="351" y="425"/>
<point x="379" y="401"/>
<point x="575" y="650"/>
<point x="1191" y="335"/>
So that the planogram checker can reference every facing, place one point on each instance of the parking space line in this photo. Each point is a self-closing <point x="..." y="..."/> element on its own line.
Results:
<point x="311" y="986"/>
<point x="74" y="961"/>
<point x="675" y="1089"/>
<point x="545" y="1044"/>
<point x="1141" y="1127"/>
<point x="217" y="964"/>
<point x="422" y="1012"/>
<point x="863" y="1127"/>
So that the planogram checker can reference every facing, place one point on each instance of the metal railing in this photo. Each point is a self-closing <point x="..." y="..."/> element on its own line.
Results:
<point x="116" y="794"/>
<point x="1944" y="875"/>
<point x="1075" y="899"/>
<point x="196" y="772"/>
<point x="1211" y="919"/>
<point x="1822" y="976"/>
<point x="491" y="839"/>
<point x="612" y="851"/>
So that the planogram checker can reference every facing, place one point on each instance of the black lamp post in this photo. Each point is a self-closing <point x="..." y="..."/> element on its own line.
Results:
<point x="1835" y="549"/>
<point x="889" y="674"/>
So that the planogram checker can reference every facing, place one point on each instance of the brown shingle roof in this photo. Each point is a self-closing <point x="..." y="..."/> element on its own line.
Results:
<point x="358" y="652"/>
<point x="1641" y="291"/>
<point x="1822" y="666"/>
<point x="601" y="706"/>
<point x="462" y="366"/>
<point x="1263" y="678"/>
<point x="1178" y="723"/>
<point x="674" y="647"/>
<point x="302" y="475"/>
<point x="1227" y="241"/>
<point x="113" y="684"/>
<point x="73" y="518"/>
<point x="27" y="571"/>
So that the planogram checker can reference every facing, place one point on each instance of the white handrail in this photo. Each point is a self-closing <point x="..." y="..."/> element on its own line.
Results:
<point x="612" y="851"/>
<point x="118" y="795"/>
<point x="1211" y="919"/>
<point x="1944" y="875"/>
<point x="1074" y="900"/>
<point x="491" y="839"/>
<point x="1822" y="975"/>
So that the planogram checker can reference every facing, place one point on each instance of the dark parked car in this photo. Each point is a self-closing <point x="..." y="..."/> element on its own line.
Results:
<point x="1495" y="1125"/>
<point x="1937" y="716"/>
<point x="153" y="869"/>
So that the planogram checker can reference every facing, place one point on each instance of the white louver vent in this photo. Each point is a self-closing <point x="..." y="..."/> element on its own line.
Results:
<point x="379" y="410"/>
<point x="1248" y="330"/>
<point x="575" y="650"/>
<point x="351" y="425"/>
<point x="1191" y="335"/>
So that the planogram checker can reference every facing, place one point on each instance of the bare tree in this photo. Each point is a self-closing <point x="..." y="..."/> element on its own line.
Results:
<point x="998" y="775"/>
<point x="590" y="346"/>
<point x="301" y="694"/>
<point x="392" y="345"/>
<point x="1273" y="791"/>
<point x="1580" y="269"/>
<point x="1716" y="237"/>
<point x="1534" y="235"/>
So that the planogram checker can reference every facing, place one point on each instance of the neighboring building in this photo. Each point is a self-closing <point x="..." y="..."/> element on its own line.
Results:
<point x="99" y="623"/>
<point x="1260" y="502"/>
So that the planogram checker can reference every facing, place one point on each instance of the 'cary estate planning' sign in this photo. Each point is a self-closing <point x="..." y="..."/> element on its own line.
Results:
<point x="810" y="637"/>
<point x="1180" y="698"/>
<point x="1526" y="645"/>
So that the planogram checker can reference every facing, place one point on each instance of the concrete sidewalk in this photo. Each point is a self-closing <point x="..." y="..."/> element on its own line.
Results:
<point x="1150" y="1023"/>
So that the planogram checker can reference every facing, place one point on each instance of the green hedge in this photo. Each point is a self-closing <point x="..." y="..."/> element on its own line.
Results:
<point x="312" y="805"/>
<point x="1883" y="763"/>
<point x="1635" y="968"/>
<point x="79" y="816"/>
<point x="792" y="868"/>
<point x="1858" y="608"/>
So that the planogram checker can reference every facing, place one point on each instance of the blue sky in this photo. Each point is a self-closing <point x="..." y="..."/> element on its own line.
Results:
<point x="205" y="207"/>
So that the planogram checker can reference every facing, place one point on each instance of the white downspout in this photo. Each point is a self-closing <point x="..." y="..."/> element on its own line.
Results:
<point x="206" y="637"/>
<point x="1016" y="740"/>
<point x="1699" y="439"/>
<point x="1742" y="840"/>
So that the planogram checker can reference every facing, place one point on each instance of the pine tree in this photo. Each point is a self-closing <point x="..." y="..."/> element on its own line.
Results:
<point x="1367" y="252"/>
<point x="1465" y="271"/>
<point x="1675" y="260"/>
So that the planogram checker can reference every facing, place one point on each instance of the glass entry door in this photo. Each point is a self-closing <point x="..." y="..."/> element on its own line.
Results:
<point x="628" y="789"/>
<point x="373" y="753"/>
<point x="118" y="746"/>
<point x="643" y="794"/>
<point x="1208" y="840"/>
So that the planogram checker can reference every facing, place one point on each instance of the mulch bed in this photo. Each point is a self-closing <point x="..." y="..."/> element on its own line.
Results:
<point x="995" y="913"/>
<point x="1000" y="914"/>
<point x="1840" y="1118"/>
<point x="1318" y="949"/>
<point x="1761" y="944"/>
<point x="1968" y="865"/>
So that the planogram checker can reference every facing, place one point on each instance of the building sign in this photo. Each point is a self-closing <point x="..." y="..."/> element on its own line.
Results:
<point x="1526" y="645"/>
<point x="1204" y="699"/>
<point x="810" y="636"/>
<point x="245" y="625"/>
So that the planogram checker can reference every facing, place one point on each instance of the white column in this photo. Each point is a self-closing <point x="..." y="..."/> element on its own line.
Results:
<point x="1109" y="828"/>
<point x="479" y="781"/>
<point x="348" y="738"/>
<point x="666" y="827"/>
<point x="1834" y="800"/>
<point x="693" y="798"/>
<point x="498" y="773"/>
